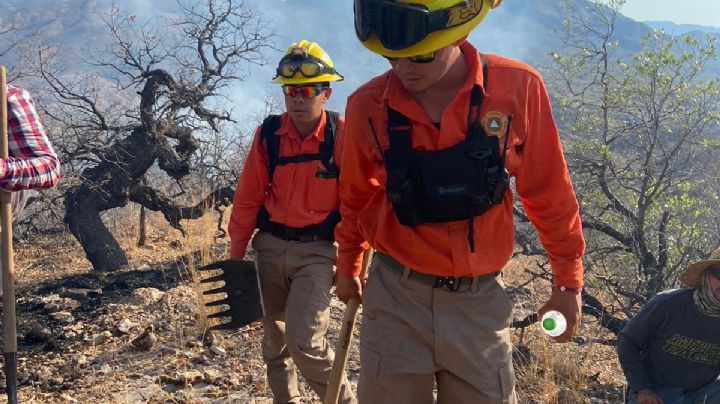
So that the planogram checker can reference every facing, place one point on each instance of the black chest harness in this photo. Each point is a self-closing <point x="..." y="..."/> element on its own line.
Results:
<point x="325" y="154"/>
<point x="456" y="183"/>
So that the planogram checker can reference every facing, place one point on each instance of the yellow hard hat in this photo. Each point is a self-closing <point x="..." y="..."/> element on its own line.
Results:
<point x="404" y="28"/>
<point x="305" y="62"/>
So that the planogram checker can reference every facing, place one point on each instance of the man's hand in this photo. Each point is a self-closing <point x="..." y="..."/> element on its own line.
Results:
<point x="647" y="396"/>
<point x="348" y="288"/>
<point x="567" y="303"/>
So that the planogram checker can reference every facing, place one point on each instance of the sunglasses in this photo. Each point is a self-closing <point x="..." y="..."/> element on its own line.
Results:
<point x="399" y="25"/>
<point x="309" y="66"/>
<point x="715" y="272"/>
<point x="424" y="58"/>
<point x="310" y="91"/>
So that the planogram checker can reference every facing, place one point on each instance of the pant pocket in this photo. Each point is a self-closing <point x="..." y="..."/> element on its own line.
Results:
<point x="369" y="369"/>
<point x="507" y="383"/>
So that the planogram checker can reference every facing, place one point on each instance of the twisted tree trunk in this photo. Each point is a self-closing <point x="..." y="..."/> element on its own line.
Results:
<point x="107" y="186"/>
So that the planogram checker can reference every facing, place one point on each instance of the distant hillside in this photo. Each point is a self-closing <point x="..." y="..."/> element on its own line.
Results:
<point x="66" y="21"/>
<point x="529" y="27"/>
<point x="526" y="30"/>
<point x="679" y="29"/>
<point x="519" y="29"/>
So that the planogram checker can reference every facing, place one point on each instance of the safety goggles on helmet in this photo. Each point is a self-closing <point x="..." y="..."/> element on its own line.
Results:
<point x="399" y="25"/>
<point x="309" y="91"/>
<point x="309" y="66"/>
<point x="419" y="59"/>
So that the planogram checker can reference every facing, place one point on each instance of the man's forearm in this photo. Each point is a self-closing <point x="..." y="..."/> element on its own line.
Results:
<point x="29" y="173"/>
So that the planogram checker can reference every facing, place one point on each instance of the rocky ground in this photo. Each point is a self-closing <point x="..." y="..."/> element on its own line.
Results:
<point x="137" y="336"/>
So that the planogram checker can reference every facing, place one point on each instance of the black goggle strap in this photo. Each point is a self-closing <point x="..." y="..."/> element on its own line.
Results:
<point x="436" y="20"/>
<point x="298" y="60"/>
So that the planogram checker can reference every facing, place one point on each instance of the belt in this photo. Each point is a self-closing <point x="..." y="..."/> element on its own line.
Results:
<point x="448" y="283"/>
<point x="309" y="233"/>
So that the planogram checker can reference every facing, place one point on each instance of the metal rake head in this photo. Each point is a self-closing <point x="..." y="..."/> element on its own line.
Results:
<point x="243" y="304"/>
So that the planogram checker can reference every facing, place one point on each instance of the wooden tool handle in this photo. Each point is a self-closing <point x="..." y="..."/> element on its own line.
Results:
<point x="8" y="268"/>
<point x="332" y="394"/>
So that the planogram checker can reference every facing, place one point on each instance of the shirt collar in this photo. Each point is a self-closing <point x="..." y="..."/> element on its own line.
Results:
<point x="396" y="95"/>
<point x="287" y="128"/>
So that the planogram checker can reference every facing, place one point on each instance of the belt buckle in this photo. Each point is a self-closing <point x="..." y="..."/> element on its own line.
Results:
<point x="448" y="283"/>
<point x="291" y="234"/>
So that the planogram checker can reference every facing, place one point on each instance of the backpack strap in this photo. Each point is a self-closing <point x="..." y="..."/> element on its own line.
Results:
<point x="484" y="63"/>
<point x="327" y="147"/>
<point x="326" y="152"/>
<point x="272" y="142"/>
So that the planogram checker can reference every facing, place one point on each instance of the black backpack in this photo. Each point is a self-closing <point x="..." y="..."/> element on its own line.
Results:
<point x="326" y="153"/>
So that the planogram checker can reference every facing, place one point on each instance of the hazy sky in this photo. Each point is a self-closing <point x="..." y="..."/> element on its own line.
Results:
<point x="700" y="12"/>
<point x="297" y="19"/>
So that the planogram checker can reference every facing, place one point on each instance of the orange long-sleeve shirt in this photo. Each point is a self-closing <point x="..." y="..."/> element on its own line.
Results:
<point x="296" y="197"/>
<point x="534" y="158"/>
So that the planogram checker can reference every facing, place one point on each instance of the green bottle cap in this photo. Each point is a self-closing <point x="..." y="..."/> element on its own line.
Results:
<point x="549" y="324"/>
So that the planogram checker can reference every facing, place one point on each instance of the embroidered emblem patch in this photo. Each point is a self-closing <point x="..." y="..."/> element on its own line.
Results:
<point x="495" y="123"/>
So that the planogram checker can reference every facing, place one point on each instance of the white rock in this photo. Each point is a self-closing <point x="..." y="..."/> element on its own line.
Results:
<point x="63" y="317"/>
<point x="125" y="325"/>
<point x="145" y="296"/>
<point x="98" y="339"/>
<point x="217" y="350"/>
<point x="59" y="304"/>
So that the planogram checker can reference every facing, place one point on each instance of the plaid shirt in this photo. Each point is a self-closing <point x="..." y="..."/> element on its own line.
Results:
<point x="32" y="162"/>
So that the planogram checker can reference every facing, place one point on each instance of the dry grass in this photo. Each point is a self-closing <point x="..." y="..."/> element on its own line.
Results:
<point x="561" y="373"/>
<point x="553" y="373"/>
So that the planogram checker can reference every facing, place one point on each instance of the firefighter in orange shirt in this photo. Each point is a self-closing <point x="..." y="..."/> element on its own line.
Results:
<point x="430" y="148"/>
<point x="288" y="190"/>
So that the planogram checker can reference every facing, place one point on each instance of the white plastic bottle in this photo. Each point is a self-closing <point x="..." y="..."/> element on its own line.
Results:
<point x="553" y="323"/>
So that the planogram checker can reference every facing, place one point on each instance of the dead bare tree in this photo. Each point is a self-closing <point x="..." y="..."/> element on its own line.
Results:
<point x="14" y="44"/>
<point x="638" y="132"/>
<point x="148" y="102"/>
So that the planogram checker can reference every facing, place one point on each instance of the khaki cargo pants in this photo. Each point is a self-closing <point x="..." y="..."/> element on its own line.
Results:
<point x="295" y="278"/>
<point x="414" y="336"/>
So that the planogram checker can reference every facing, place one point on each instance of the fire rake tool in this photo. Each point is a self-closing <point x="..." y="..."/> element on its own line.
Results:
<point x="241" y="285"/>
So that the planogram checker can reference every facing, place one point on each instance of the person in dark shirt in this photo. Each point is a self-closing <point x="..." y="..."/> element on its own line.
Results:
<point x="670" y="351"/>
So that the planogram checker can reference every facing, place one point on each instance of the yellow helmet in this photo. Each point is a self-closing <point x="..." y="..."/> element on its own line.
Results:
<point x="404" y="28"/>
<point x="305" y="62"/>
